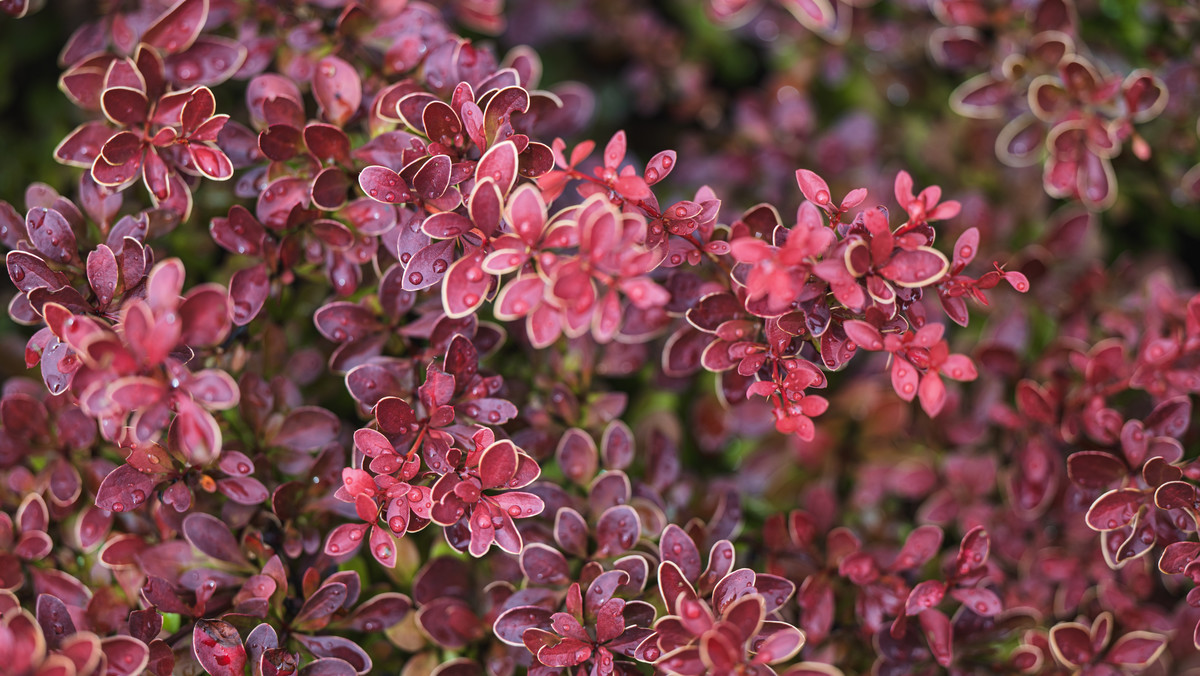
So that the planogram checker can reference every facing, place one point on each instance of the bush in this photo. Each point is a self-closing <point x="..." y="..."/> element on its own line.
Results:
<point x="347" y="362"/>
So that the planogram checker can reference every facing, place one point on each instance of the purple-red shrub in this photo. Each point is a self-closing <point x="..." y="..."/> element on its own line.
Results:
<point x="558" y="354"/>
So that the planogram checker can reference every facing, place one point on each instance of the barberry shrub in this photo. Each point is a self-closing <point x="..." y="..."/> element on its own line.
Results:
<point x="341" y="360"/>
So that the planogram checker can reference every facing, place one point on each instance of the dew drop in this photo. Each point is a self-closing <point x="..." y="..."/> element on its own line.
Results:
<point x="667" y="162"/>
<point x="474" y="274"/>
<point x="187" y="70"/>
<point x="390" y="197"/>
<point x="440" y="265"/>
<point x="118" y="507"/>
<point x="822" y="197"/>
<point x="471" y="298"/>
<point x="405" y="258"/>
<point x="651" y="175"/>
<point x="243" y="468"/>
<point x="396" y="524"/>
<point x="415" y="278"/>
<point x="373" y="192"/>
<point x="138" y="496"/>
<point x="334" y="549"/>
<point x="356" y="535"/>
<point x="680" y="211"/>
<point x="908" y="388"/>
<point x="965" y="252"/>
<point x="383" y="551"/>
<point x="17" y="273"/>
<point x="493" y="416"/>
<point x="981" y="607"/>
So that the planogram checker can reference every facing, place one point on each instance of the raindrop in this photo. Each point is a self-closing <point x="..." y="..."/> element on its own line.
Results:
<point x="356" y="535"/>
<point x="390" y="197"/>
<point x="118" y="507"/>
<point x="396" y="524"/>
<point x="383" y="551"/>
<point x="651" y="175"/>
<point x="514" y="510"/>
<point x="334" y="549"/>
<point x="415" y="278"/>
<point x="440" y="265"/>
<point x="471" y="298"/>
<point x="17" y="273"/>
<point x="138" y="495"/>
<point x="822" y="197"/>
<point x="667" y="162"/>
<point x="474" y="274"/>
<point x="187" y="70"/>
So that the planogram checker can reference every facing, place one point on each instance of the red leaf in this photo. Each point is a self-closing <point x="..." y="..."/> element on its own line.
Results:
<point x="337" y="88"/>
<point x="124" y="489"/>
<point x="499" y="163"/>
<point x="177" y="28"/>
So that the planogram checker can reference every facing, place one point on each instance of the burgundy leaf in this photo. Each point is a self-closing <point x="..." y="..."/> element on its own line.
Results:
<point x="981" y="601"/>
<point x="124" y="489"/>
<point x="433" y="178"/>
<point x="218" y="647"/>
<point x="429" y="265"/>
<point x="211" y="536"/>
<point x="939" y="635"/>
<point x="337" y="88"/>
<point x="1114" y="509"/>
